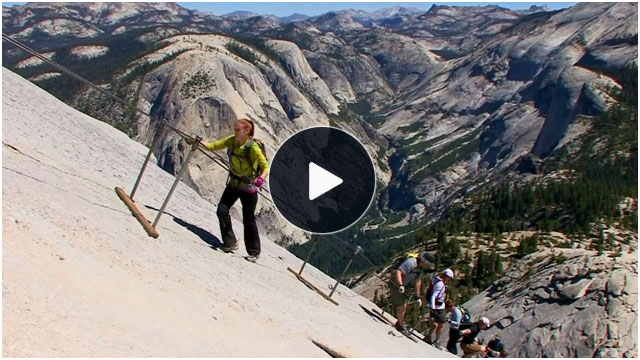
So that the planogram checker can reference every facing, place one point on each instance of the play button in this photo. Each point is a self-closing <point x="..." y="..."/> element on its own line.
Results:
<point x="322" y="180"/>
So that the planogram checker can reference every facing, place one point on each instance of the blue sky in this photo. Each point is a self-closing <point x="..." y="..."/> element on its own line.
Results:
<point x="317" y="8"/>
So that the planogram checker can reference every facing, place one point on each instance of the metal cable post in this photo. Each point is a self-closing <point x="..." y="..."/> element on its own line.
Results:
<point x="184" y="167"/>
<point x="361" y="254"/>
<point x="146" y="160"/>
<point x="353" y="256"/>
<point x="308" y="256"/>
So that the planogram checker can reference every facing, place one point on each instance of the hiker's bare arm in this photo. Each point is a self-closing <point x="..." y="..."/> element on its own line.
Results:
<point x="399" y="277"/>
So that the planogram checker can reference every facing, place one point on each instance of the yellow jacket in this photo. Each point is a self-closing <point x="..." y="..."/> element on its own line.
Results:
<point x="241" y="167"/>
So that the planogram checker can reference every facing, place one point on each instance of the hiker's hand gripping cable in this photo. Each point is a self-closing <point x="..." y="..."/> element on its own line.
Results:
<point x="192" y="140"/>
<point x="259" y="181"/>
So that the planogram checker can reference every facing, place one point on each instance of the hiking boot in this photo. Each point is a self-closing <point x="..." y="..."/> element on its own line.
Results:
<point x="252" y="258"/>
<point x="403" y="329"/>
<point x="493" y="353"/>
<point x="230" y="248"/>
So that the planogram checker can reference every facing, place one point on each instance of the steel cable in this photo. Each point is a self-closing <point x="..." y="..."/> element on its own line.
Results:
<point x="218" y="159"/>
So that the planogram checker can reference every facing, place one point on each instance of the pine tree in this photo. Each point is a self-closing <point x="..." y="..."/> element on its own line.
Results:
<point x="454" y="249"/>
<point x="611" y="240"/>
<point x="601" y="242"/>
<point x="480" y="270"/>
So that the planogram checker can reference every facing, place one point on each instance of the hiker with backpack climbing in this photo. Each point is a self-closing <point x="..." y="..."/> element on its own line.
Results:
<point x="469" y="343"/>
<point x="436" y="295"/>
<point x="496" y="345"/>
<point x="248" y="168"/>
<point x="406" y="275"/>
<point x="459" y="316"/>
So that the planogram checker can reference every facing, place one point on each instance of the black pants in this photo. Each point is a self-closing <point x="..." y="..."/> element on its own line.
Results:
<point x="249" y="202"/>
<point x="452" y="344"/>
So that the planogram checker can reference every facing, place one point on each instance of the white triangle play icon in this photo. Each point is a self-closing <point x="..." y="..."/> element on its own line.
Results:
<point x="321" y="181"/>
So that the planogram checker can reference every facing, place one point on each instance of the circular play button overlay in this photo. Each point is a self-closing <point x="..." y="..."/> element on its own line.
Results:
<point x="322" y="180"/>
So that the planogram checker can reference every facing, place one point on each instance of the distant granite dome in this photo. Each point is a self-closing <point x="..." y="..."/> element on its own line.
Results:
<point x="240" y="15"/>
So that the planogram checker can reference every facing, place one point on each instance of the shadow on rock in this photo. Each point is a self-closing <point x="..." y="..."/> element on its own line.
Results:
<point x="206" y="236"/>
<point x="373" y="315"/>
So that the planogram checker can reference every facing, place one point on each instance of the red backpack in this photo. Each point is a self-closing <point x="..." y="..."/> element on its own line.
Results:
<point x="435" y="280"/>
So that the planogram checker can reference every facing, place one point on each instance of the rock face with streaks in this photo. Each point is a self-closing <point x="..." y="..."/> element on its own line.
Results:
<point x="565" y="303"/>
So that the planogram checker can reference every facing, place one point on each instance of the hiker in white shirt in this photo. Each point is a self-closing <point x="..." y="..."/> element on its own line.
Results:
<point x="437" y="306"/>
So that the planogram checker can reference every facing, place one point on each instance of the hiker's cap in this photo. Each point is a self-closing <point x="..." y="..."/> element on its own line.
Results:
<point x="448" y="273"/>
<point x="427" y="257"/>
<point x="485" y="321"/>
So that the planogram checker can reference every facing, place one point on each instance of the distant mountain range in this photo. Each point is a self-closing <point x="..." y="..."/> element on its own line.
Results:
<point x="396" y="11"/>
<point x="242" y="15"/>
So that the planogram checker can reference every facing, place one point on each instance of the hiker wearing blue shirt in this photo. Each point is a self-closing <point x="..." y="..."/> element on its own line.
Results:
<point x="458" y="317"/>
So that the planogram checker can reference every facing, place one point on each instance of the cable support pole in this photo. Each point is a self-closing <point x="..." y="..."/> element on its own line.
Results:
<point x="194" y="147"/>
<point x="361" y="253"/>
<point x="146" y="160"/>
<point x="353" y="256"/>
<point x="308" y="256"/>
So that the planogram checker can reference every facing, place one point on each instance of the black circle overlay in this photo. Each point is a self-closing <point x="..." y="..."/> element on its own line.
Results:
<point x="336" y="152"/>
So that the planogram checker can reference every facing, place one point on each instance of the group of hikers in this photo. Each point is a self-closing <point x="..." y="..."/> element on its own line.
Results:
<point x="248" y="169"/>
<point x="407" y="278"/>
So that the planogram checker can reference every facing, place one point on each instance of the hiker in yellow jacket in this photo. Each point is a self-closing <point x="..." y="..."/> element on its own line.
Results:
<point x="247" y="172"/>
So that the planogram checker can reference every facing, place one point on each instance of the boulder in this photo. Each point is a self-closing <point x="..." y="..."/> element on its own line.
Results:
<point x="592" y="310"/>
